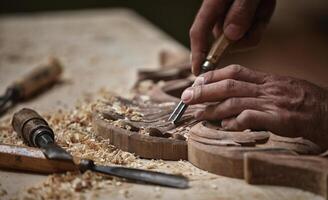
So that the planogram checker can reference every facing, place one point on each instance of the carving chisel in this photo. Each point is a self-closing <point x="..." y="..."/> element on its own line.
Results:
<point x="31" y="84"/>
<point x="36" y="133"/>
<point x="212" y="59"/>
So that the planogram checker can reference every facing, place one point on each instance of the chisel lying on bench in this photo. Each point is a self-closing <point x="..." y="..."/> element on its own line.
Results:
<point x="52" y="158"/>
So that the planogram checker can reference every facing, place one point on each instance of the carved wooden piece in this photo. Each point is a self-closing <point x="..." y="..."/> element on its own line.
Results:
<point x="169" y="91"/>
<point x="148" y="133"/>
<point x="222" y="152"/>
<point x="309" y="173"/>
<point x="31" y="159"/>
<point x="205" y="131"/>
<point x="178" y="72"/>
<point x="221" y="160"/>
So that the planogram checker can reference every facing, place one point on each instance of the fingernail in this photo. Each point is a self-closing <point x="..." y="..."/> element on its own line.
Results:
<point x="233" y="32"/>
<point x="192" y="69"/>
<point x="224" y="124"/>
<point x="187" y="95"/>
<point x="199" y="114"/>
<point x="200" y="80"/>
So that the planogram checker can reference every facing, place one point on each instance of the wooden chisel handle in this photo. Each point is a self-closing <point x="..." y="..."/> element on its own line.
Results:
<point x="31" y="126"/>
<point x="218" y="48"/>
<point x="37" y="80"/>
<point x="32" y="160"/>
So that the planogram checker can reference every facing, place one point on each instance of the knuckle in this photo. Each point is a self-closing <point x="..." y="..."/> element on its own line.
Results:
<point x="208" y="77"/>
<point x="194" y="33"/>
<point x="198" y="92"/>
<point x="268" y="78"/>
<point x="235" y="70"/>
<point x="287" y="116"/>
<point x="232" y="102"/>
<point x="229" y="84"/>
<point x="247" y="116"/>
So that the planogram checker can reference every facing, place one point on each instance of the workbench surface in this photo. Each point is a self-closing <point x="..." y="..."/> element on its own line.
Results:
<point x="104" y="49"/>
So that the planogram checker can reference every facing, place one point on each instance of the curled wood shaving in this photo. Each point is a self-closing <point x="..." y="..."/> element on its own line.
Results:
<point x="67" y="186"/>
<point x="74" y="132"/>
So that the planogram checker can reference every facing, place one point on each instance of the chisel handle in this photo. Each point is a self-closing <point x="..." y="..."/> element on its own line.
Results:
<point x="34" y="130"/>
<point x="218" y="49"/>
<point x="216" y="52"/>
<point x="37" y="80"/>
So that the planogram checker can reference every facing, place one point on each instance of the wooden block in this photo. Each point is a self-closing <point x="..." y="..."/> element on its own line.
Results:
<point x="31" y="159"/>
<point x="309" y="173"/>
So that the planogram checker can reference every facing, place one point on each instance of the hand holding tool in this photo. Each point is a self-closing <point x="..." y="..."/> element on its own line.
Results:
<point x="37" y="80"/>
<point x="36" y="132"/>
<point x="212" y="59"/>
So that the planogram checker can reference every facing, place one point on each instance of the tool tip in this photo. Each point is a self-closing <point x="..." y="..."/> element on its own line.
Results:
<point x="178" y="112"/>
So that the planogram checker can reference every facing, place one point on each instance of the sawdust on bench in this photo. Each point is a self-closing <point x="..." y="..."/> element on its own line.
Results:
<point x="74" y="132"/>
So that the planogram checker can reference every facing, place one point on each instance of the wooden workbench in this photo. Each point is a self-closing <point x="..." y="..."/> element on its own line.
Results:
<point x="104" y="49"/>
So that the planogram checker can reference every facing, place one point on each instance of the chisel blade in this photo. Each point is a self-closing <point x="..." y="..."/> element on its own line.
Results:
<point x="178" y="112"/>
<point x="157" y="178"/>
<point x="54" y="152"/>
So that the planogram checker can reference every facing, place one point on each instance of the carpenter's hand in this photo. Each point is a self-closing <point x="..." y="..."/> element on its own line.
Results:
<point x="236" y="18"/>
<point x="254" y="100"/>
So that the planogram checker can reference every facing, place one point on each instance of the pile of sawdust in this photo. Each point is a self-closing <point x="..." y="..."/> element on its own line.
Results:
<point x="74" y="132"/>
<point x="67" y="186"/>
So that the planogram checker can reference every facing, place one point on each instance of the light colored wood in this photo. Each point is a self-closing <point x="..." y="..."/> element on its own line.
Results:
<point x="309" y="173"/>
<point x="31" y="159"/>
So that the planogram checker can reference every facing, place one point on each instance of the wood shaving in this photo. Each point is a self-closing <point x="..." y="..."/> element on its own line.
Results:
<point x="67" y="186"/>
<point x="3" y="192"/>
<point x="73" y="131"/>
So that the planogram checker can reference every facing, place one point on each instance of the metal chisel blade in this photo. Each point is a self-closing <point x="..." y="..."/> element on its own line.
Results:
<point x="151" y="177"/>
<point x="178" y="112"/>
<point x="54" y="152"/>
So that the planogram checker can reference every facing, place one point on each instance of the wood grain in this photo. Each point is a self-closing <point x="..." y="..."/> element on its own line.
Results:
<point x="149" y="136"/>
<point x="225" y="161"/>
<point x="169" y="91"/>
<point x="308" y="173"/>
<point x="31" y="159"/>
<point x="143" y="145"/>
<point x="222" y="152"/>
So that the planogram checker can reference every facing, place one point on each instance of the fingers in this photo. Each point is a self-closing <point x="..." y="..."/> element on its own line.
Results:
<point x="235" y="72"/>
<point x="240" y="18"/>
<point x="261" y="19"/>
<point x="219" y="91"/>
<point x="249" y="119"/>
<point x="229" y="108"/>
<point x="210" y="13"/>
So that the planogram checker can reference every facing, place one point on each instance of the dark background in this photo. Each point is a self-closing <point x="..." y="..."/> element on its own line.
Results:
<point x="295" y="43"/>
<point x="174" y="17"/>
